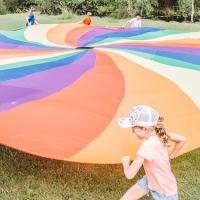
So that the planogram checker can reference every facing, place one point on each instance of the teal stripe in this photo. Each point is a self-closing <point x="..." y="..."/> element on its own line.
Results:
<point x="146" y="36"/>
<point x="19" y="36"/>
<point x="15" y="35"/>
<point x="164" y="60"/>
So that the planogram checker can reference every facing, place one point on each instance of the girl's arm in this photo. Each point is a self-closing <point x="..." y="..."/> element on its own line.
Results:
<point x="129" y="21"/>
<point x="27" y="20"/>
<point x="80" y="22"/>
<point x="179" y="143"/>
<point x="36" y="22"/>
<point x="131" y="169"/>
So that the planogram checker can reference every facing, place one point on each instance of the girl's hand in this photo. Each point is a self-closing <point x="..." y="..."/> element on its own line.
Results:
<point x="126" y="160"/>
<point x="171" y="157"/>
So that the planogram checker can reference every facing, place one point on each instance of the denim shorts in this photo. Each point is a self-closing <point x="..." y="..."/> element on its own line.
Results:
<point x="143" y="183"/>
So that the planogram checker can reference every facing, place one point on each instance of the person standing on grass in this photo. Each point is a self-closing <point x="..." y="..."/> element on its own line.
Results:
<point x="134" y="23"/>
<point x="31" y="17"/>
<point x="153" y="154"/>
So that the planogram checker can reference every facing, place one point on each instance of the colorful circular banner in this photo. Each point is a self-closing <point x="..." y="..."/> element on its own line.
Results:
<point x="63" y="87"/>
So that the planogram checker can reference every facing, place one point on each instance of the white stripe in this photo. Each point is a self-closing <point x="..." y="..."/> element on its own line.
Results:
<point x="29" y="58"/>
<point x="186" y="79"/>
<point x="179" y="36"/>
<point x="38" y="33"/>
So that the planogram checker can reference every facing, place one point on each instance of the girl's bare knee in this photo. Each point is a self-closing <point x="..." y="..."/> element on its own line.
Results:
<point x="134" y="193"/>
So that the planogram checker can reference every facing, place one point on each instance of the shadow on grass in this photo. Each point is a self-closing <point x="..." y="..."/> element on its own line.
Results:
<point x="63" y="180"/>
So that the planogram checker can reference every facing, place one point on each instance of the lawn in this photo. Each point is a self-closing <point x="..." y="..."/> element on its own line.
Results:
<point x="27" y="177"/>
<point x="12" y="22"/>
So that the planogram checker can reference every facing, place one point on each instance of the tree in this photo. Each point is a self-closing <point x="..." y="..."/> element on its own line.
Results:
<point x="167" y="4"/>
<point x="3" y="9"/>
<point x="192" y="12"/>
<point x="146" y="7"/>
<point x="130" y="7"/>
<point x="11" y="5"/>
<point x="186" y="9"/>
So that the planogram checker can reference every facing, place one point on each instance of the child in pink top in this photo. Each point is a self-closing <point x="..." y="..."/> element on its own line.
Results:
<point x="159" y="180"/>
<point x="134" y="22"/>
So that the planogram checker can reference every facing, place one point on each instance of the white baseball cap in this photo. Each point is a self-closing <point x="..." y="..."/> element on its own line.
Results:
<point x="89" y="13"/>
<point x="141" y="115"/>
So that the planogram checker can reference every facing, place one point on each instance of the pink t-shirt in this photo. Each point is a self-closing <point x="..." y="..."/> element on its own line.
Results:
<point x="157" y="167"/>
<point x="135" y="23"/>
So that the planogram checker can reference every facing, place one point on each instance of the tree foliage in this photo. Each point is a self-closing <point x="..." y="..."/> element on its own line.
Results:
<point x="164" y="9"/>
<point x="184" y="8"/>
<point x="3" y="9"/>
<point x="146" y="7"/>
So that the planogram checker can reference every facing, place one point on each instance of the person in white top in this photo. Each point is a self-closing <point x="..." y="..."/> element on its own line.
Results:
<point x="134" y="23"/>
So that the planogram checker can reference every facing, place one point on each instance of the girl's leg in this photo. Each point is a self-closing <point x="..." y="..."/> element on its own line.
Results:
<point x="134" y="193"/>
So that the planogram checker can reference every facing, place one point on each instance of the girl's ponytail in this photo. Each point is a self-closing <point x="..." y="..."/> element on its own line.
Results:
<point x="161" y="132"/>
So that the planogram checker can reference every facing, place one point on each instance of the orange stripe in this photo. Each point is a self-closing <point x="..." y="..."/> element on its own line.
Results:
<point x="74" y="35"/>
<point x="60" y="33"/>
<point x="62" y="124"/>
<point x="143" y="87"/>
<point x="16" y="54"/>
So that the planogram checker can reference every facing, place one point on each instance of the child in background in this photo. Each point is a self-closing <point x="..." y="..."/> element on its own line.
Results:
<point x="159" y="180"/>
<point x="87" y="20"/>
<point x="135" y="22"/>
<point x="31" y="17"/>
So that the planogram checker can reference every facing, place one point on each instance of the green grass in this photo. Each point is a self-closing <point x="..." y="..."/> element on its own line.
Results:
<point x="15" y="21"/>
<point x="27" y="177"/>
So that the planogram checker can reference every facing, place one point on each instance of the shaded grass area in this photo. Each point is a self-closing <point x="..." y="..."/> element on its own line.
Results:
<point x="15" y="21"/>
<point x="27" y="177"/>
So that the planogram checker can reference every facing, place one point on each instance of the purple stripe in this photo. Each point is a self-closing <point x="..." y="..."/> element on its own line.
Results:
<point x="18" y="91"/>
<point x="100" y="31"/>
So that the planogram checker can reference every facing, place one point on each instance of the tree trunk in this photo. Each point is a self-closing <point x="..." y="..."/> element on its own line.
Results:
<point x="130" y="7"/>
<point x="141" y="11"/>
<point x="192" y="11"/>
<point x="185" y="18"/>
